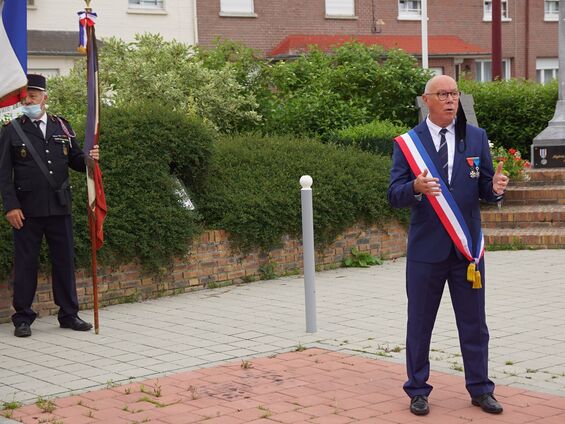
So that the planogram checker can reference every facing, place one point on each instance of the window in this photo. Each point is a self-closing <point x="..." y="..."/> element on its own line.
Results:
<point x="487" y="16"/>
<point x="551" y="10"/>
<point x="236" y="7"/>
<point x="340" y="7"/>
<point x="146" y="4"/>
<point x="409" y="9"/>
<point x="546" y="69"/>
<point x="484" y="70"/>
<point x="438" y="70"/>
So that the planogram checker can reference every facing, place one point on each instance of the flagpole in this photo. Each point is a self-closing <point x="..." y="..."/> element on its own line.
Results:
<point x="93" y="262"/>
<point x="92" y="217"/>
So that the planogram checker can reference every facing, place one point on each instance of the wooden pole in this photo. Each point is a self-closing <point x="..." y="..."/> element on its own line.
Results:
<point x="92" y="225"/>
<point x="496" y="40"/>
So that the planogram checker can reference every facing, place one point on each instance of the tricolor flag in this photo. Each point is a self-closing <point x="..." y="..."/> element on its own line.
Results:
<point x="13" y="51"/>
<point x="96" y="197"/>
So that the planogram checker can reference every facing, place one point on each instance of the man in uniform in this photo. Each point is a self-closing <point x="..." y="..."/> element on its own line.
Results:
<point x="36" y="151"/>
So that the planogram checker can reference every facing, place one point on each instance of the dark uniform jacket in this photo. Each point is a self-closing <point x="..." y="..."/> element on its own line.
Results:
<point x="22" y="184"/>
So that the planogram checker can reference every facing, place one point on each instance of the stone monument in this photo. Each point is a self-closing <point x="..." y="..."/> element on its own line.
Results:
<point x="548" y="149"/>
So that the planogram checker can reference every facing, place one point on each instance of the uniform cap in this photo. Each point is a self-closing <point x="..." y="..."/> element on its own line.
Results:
<point x="36" y="82"/>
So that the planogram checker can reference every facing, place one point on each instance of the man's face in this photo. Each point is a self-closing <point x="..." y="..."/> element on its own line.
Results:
<point x="35" y="97"/>
<point x="442" y="112"/>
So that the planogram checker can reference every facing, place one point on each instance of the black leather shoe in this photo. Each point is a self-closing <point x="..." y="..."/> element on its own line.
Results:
<point x="75" y="323"/>
<point x="488" y="403"/>
<point x="22" y="330"/>
<point x="419" y="405"/>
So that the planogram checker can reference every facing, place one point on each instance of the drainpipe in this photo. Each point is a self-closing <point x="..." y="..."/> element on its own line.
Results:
<point x="527" y="41"/>
<point x="496" y="41"/>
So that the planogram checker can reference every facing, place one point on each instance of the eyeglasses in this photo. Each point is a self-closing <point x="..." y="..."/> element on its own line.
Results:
<point x="442" y="95"/>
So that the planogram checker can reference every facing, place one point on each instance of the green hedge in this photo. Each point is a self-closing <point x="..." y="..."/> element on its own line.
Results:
<point x="513" y="112"/>
<point x="142" y="146"/>
<point x="375" y="137"/>
<point x="253" y="189"/>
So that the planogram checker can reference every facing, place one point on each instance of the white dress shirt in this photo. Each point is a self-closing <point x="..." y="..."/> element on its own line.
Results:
<point x="42" y="123"/>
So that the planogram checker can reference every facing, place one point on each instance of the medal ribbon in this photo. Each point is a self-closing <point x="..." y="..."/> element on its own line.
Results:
<point x="444" y="205"/>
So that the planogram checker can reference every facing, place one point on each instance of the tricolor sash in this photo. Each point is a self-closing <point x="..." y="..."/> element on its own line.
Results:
<point x="444" y="205"/>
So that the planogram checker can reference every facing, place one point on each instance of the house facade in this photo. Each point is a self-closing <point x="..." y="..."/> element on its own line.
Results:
<point x="459" y="30"/>
<point x="53" y="27"/>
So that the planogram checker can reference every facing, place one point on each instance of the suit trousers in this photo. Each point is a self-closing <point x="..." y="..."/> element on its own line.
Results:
<point x="58" y="232"/>
<point x="424" y="286"/>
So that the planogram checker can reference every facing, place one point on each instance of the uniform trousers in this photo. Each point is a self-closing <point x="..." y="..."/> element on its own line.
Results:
<point x="58" y="232"/>
<point x="424" y="286"/>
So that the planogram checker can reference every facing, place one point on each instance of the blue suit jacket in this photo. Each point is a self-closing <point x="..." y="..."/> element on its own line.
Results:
<point x="428" y="241"/>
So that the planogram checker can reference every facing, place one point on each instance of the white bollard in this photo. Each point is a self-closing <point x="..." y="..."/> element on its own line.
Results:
<point x="309" y="258"/>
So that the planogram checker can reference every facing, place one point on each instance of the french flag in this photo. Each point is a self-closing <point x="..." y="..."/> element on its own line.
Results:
<point x="13" y="45"/>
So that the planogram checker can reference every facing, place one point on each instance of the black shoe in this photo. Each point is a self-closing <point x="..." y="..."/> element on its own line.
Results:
<point x="75" y="323"/>
<point x="419" y="405"/>
<point x="488" y="403"/>
<point x="22" y="330"/>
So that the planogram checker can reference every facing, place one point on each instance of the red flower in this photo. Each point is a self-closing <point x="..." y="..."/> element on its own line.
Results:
<point x="527" y="164"/>
<point x="512" y="151"/>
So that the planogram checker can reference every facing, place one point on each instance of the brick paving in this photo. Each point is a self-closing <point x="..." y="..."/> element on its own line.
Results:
<point x="310" y="386"/>
<point x="179" y="359"/>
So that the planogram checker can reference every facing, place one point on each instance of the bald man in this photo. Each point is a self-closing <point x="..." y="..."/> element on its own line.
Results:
<point x="441" y="169"/>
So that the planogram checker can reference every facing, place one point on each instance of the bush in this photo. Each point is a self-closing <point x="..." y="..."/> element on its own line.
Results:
<point x="375" y="137"/>
<point x="253" y="189"/>
<point x="354" y="84"/>
<point x="166" y="72"/>
<point x="142" y="147"/>
<point x="513" y="112"/>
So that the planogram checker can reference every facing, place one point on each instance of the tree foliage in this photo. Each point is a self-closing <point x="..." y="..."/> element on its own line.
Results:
<point x="167" y="73"/>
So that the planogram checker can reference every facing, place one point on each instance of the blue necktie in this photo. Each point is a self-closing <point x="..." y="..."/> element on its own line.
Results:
<point x="443" y="152"/>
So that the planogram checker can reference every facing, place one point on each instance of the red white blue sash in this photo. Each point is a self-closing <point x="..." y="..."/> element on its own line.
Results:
<point x="444" y="205"/>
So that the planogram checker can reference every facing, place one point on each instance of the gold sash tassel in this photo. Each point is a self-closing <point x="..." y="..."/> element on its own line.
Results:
<point x="474" y="276"/>
<point x="477" y="283"/>
<point x="471" y="272"/>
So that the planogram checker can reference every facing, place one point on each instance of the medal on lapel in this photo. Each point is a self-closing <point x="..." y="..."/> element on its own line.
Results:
<point x="474" y="166"/>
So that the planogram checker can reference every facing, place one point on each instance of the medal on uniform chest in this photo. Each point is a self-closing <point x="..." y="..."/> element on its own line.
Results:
<point x="23" y="152"/>
<point x="65" y="150"/>
<point x="474" y="166"/>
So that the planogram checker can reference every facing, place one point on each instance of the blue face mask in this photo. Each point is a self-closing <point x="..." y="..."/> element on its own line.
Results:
<point x="32" y="111"/>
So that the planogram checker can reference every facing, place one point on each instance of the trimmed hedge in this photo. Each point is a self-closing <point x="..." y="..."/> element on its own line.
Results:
<point x="142" y="146"/>
<point x="253" y="189"/>
<point x="375" y="137"/>
<point x="513" y="112"/>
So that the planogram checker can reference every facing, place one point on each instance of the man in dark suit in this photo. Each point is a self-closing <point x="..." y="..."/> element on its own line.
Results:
<point x="440" y="170"/>
<point x="34" y="182"/>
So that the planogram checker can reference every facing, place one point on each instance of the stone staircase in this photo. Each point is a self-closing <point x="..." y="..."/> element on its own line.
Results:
<point x="532" y="214"/>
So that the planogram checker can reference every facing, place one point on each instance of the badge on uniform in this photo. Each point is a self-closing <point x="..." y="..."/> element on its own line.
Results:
<point x="474" y="166"/>
<point x="65" y="150"/>
<point x="23" y="151"/>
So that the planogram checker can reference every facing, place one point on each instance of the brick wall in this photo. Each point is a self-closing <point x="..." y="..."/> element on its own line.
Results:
<point x="209" y="262"/>
<point x="276" y="19"/>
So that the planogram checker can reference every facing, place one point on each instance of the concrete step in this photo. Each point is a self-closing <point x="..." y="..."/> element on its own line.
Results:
<point x="520" y="194"/>
<point x="534" y="238"/>
<point x="547" y="176"/>
<point x="523" y="216"/>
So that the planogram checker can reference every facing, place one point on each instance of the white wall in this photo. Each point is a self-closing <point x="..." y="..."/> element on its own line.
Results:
<point x="115" y="18"/>
<point x="50" y="65"/>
